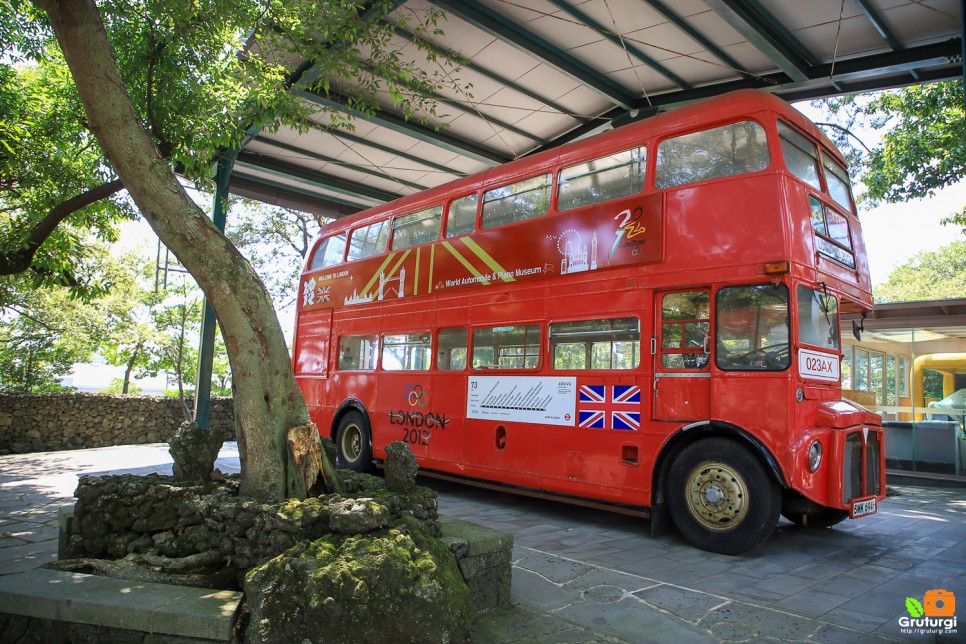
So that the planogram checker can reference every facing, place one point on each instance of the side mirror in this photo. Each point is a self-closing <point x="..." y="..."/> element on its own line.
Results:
<point x="858" y="326"/>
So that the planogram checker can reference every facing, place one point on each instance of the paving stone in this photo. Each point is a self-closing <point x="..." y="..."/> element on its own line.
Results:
<point x="632" y="621"/>
<point x="762" y="622"/>
<point x="556" y="569"/>
<point x="530" y="589"/>
<point x="602" y="577"/>
<point x="853" y="619"/>
<point x="689" y="605"/>
<point x="523" y="624"/>
<point x="828" y="634"/>
<point x="813" y="602"/>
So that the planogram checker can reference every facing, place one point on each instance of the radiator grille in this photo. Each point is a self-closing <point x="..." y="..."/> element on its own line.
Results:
<point x="861" y="479"/>
<point x="852" y="462"/>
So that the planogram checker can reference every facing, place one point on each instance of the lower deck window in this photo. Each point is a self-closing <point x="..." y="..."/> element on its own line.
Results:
<point x="406" y="352"/>
<point x="358" y="352"/>
<point x="507" y="347"/>
<point x="596" y="344"/>
<point x="451" y="350"/>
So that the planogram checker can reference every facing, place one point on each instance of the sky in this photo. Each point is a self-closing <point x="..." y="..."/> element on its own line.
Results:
<point x="894" y="233"/>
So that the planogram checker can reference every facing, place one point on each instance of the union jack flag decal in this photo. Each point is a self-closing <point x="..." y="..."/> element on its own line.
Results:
<point x="323" y="293"/>
<point x="610" y="407"/>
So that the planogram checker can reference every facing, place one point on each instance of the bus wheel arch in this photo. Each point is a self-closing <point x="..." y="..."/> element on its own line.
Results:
<point x="352" y="434"/>
<point x="719" y="486"/>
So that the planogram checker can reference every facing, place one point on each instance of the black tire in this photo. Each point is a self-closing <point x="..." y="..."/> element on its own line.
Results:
<point x="353" y="443"/>
<point x="721" y="497"/>
<point x="817" y="519"/>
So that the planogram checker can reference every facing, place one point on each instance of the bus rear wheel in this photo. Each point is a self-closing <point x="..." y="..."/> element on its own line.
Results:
<point x="721" y="497"/>
<point x="353" y="441"/>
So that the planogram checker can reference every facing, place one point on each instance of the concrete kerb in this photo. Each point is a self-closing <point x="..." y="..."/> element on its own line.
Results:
<point x="144" y="607"/>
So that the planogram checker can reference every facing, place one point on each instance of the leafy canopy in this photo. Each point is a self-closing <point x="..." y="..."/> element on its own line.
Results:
<point x="204" y="75"/>
<point x="923" y="144"/>
<point x="933" y="275"/>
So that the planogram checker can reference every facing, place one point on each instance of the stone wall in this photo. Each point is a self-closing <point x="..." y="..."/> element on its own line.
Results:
<point x="51" y="422"/>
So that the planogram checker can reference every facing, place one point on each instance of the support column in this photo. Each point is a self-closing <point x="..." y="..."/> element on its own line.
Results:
<point x="206" y="346"/>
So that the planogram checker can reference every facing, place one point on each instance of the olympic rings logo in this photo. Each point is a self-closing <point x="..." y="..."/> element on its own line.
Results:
<point x="416" y="395"/>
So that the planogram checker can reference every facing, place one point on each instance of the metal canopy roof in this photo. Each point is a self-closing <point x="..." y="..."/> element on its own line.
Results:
<point x="544" y="72"/>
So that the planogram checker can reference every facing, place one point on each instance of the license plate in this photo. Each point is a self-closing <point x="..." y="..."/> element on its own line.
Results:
<point x="863" y="508"/>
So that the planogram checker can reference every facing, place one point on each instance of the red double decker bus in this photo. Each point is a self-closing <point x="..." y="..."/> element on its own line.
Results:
<point x="646" y="319"/>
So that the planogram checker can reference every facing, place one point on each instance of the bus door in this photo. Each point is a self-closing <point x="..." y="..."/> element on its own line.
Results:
<point x="311" y="356"/>
<point x="682" y="369"/>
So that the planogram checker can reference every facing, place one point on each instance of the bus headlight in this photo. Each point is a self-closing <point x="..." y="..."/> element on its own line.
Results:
<point x="814" y="456"/>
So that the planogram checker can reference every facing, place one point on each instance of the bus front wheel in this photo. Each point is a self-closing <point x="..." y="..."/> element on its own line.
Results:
<point x="721" y="497"/>
<point x="353" y="441"/>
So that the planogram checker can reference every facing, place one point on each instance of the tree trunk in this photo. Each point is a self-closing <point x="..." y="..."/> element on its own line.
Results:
<point x="267" y="399"/>
<point x="130" y="367"/>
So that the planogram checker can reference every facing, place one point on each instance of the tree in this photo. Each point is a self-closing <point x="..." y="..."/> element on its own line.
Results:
<point x="170" y="92"/>
<point x="275" y="240"/>
<point x="42" y="333"/>
<point x="51" y="167"/>
<point x="923" y="144"/>
<point x="130" y="334"/>
<point x="931" y="275"/>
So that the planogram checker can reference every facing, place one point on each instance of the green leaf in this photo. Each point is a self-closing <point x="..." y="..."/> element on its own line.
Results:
<point x="914" y="607"/>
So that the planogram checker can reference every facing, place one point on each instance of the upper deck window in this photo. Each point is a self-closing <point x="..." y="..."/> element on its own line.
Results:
<point x="369" y="240"/>
<point x="610" y="177"/>
<point x="838" y="183"/>
<point x="461" y="215"/>
<point x="724" y="151"/>
<point x="801" y="155"/>
<point x="416" y="228"/>
<point x="329" y="252"/>
<point x="832" y="237"/>
<point x="516" y="202"/>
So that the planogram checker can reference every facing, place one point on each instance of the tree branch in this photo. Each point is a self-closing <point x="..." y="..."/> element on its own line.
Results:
<point x="18" y="260"/>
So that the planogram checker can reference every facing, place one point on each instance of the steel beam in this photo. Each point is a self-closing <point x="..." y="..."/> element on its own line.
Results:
<point x="206" y="344"/>
<point x="409" y="128"/>
<point x="930" y="62"/>
<point x="497" y="25"/>
<point x="294" y="149"/>
<point x="631" y="48"/>
<point x="497" y="78"/>
<point x="699" y="37"/>
<point x="769" y="36"/>
<point x="270" y="166"/>
<point x="879" y="24"/>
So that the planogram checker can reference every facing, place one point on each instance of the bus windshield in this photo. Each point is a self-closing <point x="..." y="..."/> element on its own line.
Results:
<point x="752" y="331"/>
<point x="818" y="319"/>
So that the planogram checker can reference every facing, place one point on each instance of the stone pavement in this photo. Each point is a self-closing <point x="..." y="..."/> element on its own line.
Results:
<point x="590" y="576"/>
